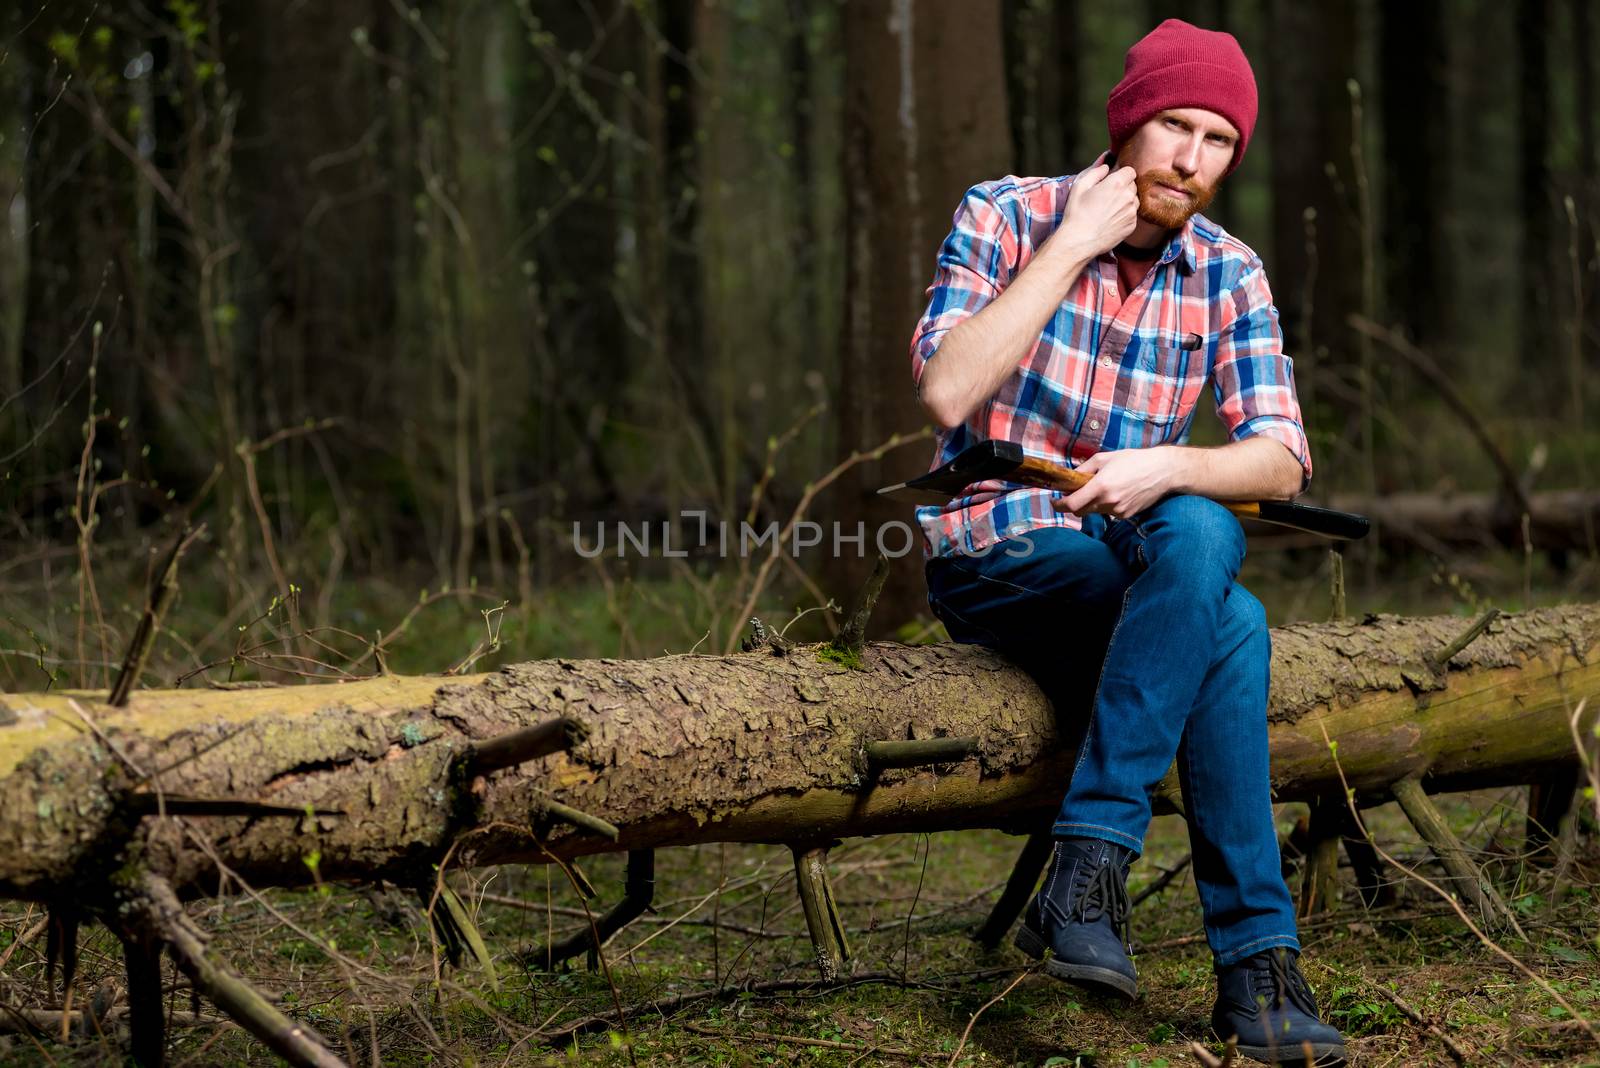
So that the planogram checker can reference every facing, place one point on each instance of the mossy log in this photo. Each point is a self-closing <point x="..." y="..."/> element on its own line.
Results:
<point x="764" y="746"/>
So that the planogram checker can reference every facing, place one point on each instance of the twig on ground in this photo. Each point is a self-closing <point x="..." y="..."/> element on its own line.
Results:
<point x="799" y="987"/>
<point x="662" y="1006"/>
<point x="966" y="1034"/>
<point x="1456" y="1052"/>
<point x="797" y="1040"/>
<point x="599" y="949"/>
<point x="922" y="873"/>
<point x="48" y="1021"/>
<point x="1335" y="920"/>
<point x="27" y="936"/>
<point x="1230" y="1055"/>
<point x="158" y="909"/>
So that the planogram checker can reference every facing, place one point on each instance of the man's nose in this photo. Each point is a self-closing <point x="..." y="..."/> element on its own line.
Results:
<point x="1187" y="159"/>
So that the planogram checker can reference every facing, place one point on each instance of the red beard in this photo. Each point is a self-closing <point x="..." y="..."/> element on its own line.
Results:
<point x="1166" y="211"/>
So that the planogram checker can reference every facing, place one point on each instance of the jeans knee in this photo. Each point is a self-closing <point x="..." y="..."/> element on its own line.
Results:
<point x="1245" y="611"/>
<point x="1242" y="630"/>
<point x="1197" y="532"/>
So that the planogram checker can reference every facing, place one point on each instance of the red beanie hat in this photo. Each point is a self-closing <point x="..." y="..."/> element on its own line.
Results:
<point x="1177" y="65"/>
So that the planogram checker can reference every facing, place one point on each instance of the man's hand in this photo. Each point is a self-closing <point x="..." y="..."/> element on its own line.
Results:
<point x="981" y="351"/>
<point x="1126" y="481"/>
<point x="1102" y="209"/>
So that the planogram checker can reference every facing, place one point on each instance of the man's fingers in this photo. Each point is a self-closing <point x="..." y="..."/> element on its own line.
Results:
<point x="1079" y="502"/>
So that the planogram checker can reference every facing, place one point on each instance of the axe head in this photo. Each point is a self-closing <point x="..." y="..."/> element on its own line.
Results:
<point x="983" y="461"/>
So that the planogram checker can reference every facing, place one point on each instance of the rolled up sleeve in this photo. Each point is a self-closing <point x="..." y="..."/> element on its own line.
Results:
<point x="1253" y="379"/>
<point x="974" y="265"/>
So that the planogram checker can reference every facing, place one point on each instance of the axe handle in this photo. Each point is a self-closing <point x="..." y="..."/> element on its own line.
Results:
<point x="1046" y="475"/>
<point x="1032" y="471"/>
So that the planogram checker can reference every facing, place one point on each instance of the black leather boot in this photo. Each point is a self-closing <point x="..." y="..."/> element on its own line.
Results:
<point x="1081" y="916"/>
<point x="1266" y="1004"/>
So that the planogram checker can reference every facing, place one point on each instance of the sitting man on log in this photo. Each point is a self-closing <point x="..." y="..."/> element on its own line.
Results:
<point x="1080" y="317"/>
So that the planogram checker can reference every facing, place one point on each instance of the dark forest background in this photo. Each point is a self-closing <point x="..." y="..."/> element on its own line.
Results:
<point x="391" y="295"/>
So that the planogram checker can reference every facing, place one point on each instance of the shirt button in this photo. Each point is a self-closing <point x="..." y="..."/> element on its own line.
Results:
<point x="1106" y="362"/>
<point x="1094" y="424"/>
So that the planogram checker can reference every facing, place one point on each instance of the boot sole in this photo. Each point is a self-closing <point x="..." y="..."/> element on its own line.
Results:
<point x="1323" y="1054"/>
<point x="1103" y="980"/>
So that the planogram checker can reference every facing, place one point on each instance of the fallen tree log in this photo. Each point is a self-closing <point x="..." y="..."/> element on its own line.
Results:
<point x="376" y="776"/>
<point x="113" y="813"/>
<point x="1558" y="520"/>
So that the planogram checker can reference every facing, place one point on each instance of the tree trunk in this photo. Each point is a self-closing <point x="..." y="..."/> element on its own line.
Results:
<point x="568" y="163"/>
<point x="380" y="778"/>
<point x="925" y="118"/>
<point x="14" y="86"/>
<point x="1536" y="275"/>
<point x="1316" y="268"/>
<point x="1413" y="66"/>
<point x="1042" y="92"/>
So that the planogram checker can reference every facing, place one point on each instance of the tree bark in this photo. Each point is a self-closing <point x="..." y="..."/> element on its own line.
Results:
<point x="1413" y="67"/>
<point x="925" y="119"/>
<point x="1042" y="43"/>
<point x="376" y="778"/>
<point x="1316" y="269"/>
<point x="1536" y="274"/>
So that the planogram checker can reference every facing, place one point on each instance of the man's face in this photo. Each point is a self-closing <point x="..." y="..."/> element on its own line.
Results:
<point x="1179" y="157"/>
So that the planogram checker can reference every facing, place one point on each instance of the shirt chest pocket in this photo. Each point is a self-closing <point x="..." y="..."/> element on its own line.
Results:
<point x="1175" y="367"/>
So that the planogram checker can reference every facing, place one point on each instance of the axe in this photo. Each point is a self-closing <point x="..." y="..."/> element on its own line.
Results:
<point x="1004" y="460"/>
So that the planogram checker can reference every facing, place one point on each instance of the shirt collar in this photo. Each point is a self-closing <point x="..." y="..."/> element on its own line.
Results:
<point x="1180" y="248"/>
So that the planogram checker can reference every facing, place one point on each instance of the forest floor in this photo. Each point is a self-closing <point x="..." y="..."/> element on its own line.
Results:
<point x="359" y="966"/>
<point x="696" y="977"/>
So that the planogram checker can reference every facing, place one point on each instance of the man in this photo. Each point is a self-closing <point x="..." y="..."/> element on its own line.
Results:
<point x="1081" y="317"/>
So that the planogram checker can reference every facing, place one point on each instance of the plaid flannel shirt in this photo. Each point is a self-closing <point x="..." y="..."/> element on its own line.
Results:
<point x="1109" y="371"/>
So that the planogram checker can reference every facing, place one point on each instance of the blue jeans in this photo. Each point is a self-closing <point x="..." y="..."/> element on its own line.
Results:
<point x="1150" y="607"/>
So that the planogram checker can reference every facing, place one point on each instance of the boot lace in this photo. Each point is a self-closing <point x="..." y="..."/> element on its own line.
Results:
<point x="1281" y="979"/>
<point x="1102" y="893"/>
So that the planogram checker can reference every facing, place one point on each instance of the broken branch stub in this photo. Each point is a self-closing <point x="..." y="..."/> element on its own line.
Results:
<point x="1441" y="659"/>
<point x="155" y="909"/>
<point x="853" y="635"/>
<point x="517" y="747"/>
<point x="144" y="635"/>
<point x="822" y="912"/>
<point x="551" y="810"/>
<point x="919" y="752"/>
<point x="1432" y="828"/>
<point x="1020" y="885"/>
<point x="639" y="891"/>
